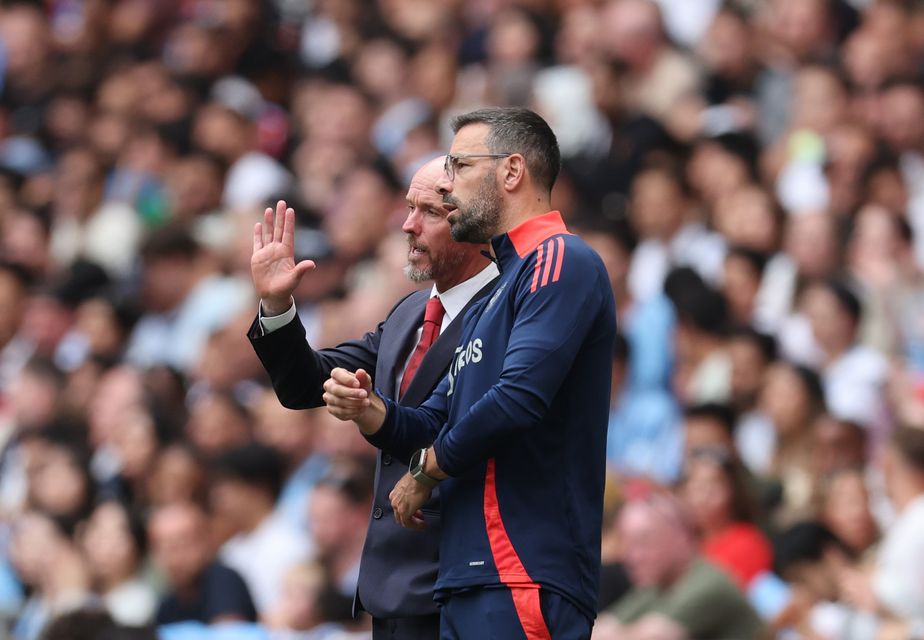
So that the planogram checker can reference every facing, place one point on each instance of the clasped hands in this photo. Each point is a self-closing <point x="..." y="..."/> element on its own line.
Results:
<point x="349" y="396"/>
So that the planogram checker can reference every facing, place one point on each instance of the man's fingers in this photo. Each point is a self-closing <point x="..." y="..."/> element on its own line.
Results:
<point x="342" y="384"/>
<point x="342" y="414"/>
<point x="364" y="379"/>
<point x="346" y="396"/>
<point x="341" y="395"/>
<point x="288" y="229"/>
<point x="417" y="521"/>
<point x="267" y="226"/>
<point x="257" y="237"/>
<point x="344" y="377"/>
<point x="340" y="398"/>
<point x="280" y="221"/>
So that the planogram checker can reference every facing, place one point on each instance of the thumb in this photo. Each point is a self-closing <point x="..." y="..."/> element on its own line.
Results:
<point x="304" y="267"/>
<point x="365" y="382"/>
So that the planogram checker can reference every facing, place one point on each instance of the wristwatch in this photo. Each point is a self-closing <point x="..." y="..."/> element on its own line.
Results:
<point x="416" y="469"/>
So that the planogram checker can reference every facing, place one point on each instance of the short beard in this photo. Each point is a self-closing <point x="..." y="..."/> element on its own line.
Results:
<point x="415" y="274"/>
<point x="478" y="220"/>
<point x="439" y="265"/>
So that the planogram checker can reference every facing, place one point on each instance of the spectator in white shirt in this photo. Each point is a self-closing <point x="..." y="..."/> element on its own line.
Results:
<point x="895" y="590"/>
<point x="853" y="374"/>
<point x="247" y="481"/>
<point x="897" y="582"/>
<point x="185" y="300"/>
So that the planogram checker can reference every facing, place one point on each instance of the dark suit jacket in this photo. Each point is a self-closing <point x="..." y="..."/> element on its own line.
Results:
<point x="398" y="565"/>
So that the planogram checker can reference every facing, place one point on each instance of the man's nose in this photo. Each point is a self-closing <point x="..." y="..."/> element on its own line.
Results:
<point x="444" y="184"/>
<point x="411" y="223"/>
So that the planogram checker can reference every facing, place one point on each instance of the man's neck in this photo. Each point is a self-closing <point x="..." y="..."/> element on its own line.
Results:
<point x="679" y="572"/>
<point x="189" y="591"/>
<point x="836" y="352"/>
<point x="522" y="209"/>
<point x="477" y="266"/>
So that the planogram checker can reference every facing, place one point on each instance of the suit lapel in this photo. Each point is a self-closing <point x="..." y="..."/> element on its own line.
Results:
<point x="397" y="335"/>
<point x="435" y="364"/>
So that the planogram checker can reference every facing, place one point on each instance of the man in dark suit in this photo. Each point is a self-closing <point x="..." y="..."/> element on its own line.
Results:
<point x="409" y="352"/>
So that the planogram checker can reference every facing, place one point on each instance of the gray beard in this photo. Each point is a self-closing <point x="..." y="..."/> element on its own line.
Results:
<point x="415" y="274"/>
<point x="439" y="265"/>
<point x="478" y="220"/>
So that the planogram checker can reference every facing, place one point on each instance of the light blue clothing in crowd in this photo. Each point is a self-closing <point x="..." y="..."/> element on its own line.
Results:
<point x="32" y="619"/>
<point x="292" y="504"/>
<point x="244" y="631"/>
<point x="176" y="338"/>
<point x="645" y="437"/>
<point x="649" y="329"/>
<point x="11" y="592"/>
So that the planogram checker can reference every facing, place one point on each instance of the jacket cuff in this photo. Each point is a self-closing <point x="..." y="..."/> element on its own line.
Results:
<point x="381" y="438"/>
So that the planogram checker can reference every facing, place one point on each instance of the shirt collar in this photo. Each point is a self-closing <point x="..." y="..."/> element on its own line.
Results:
<point x="532" y="232"/>
<point x="455" y="299"/>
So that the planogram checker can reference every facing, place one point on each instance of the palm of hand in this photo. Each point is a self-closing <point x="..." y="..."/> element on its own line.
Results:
<point x="272" y="263"/>
<point x="273" y="269"/>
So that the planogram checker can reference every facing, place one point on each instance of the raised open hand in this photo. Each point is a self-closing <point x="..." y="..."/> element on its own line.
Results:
<point x="272" y="265"/>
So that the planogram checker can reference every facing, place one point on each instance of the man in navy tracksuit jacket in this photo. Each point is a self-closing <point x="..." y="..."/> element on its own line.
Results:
<point x="518" y="426"/>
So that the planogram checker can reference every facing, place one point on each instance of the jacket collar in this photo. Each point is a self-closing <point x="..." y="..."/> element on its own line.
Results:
<point x="526" y="236"/>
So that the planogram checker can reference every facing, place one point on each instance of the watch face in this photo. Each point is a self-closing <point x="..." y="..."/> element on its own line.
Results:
<point x="416" y="459"/>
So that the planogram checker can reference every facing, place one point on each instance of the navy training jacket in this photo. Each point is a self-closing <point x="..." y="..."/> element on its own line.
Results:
<point x="519" y="423"/>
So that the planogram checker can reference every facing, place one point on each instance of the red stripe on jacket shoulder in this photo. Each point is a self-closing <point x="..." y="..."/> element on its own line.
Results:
<point x="549" y="260"/>
<point x="560" y="257"/>
<point x="538" y="269"/>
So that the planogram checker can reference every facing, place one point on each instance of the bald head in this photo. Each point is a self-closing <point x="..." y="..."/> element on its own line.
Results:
<point x="432" y="253"/>
<point x="429" y="174"/>
<point x="633" y="30"/>
<point x="659" y="540"/>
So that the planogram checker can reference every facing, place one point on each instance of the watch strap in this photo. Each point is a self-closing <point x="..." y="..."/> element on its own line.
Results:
<point x="416" y="469"/>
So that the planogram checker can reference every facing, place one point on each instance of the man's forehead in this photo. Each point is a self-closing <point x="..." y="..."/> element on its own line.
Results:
<point x="424" y="181"/>
<point x="422" y="192"/>
<point x="423" y="184"/>
<point x="471" y="138"/>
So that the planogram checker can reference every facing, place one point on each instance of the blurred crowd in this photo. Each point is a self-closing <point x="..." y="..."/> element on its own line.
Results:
<point x="751" y="172"/>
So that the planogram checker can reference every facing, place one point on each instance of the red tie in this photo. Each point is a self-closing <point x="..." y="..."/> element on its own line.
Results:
<point x="433" y="318"/>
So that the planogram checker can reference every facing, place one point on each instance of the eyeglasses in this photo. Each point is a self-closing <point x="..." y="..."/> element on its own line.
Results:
<point x="452" y="162"/>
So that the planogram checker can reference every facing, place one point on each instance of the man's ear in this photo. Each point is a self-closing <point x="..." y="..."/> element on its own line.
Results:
<point x="514" y="172"/>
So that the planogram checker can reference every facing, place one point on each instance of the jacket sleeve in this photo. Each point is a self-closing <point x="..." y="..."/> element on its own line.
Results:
<point x="407" y="429"/>
<point x="298" y="371"/>
<point x="550" y="326"/>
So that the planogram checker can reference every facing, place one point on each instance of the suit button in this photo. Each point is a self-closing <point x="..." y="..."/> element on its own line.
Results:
<point x="386" y="459"/>
<point x="377" y="513"/>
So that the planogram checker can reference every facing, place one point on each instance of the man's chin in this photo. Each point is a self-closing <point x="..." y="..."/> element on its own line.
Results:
<point x="416" y="273"/>
<point x="468" y="235"/>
